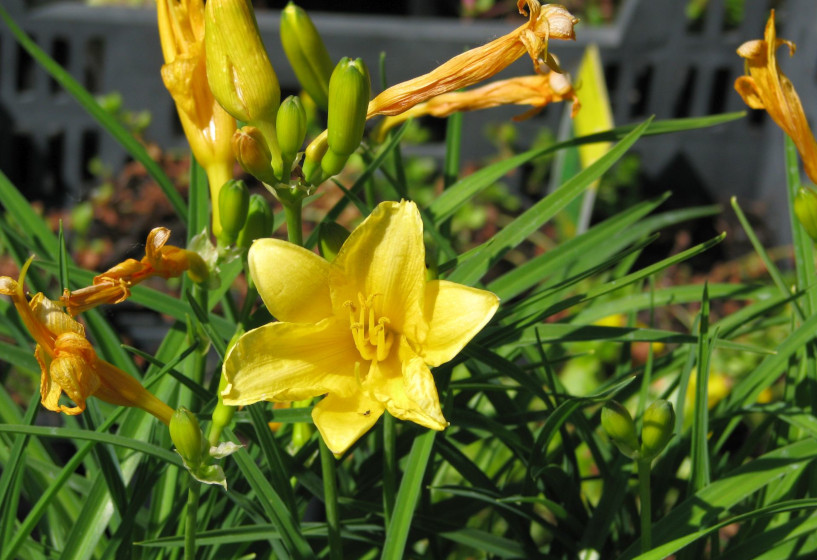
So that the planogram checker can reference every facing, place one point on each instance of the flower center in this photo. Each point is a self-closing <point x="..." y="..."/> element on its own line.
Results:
<point x="372" y="336"/>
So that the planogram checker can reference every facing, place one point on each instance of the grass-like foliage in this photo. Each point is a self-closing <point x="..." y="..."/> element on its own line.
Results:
<point x="537" y="462"/>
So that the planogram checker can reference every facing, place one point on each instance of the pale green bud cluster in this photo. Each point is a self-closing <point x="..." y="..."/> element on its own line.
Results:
<point x="805" y="208"/>
<point x="306" y="53"/>
<point x="658" y="423"/>
<point x="259" y="222"/>
<point x="233" y="204"/>
<point x="186" y="435"/>
<point x="291" y="130"/>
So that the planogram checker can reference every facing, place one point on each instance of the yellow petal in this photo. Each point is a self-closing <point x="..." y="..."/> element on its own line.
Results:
<point x="292" y="281"/>
<point x="455" y="314"/>
<point x="384" y="258"/>
<point x="342" y="421"/>
<point x="290" y="362"/>
<point x="407" y="389"/>
<point x="73" y="370"/>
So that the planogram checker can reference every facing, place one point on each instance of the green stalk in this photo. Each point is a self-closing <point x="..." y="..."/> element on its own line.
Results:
<point x="646" y="504"/>
<point x="292" y="212"/>
<point x="190" y="525"/>
<point x="330" y="496"/>
<point x="389" y="466"/>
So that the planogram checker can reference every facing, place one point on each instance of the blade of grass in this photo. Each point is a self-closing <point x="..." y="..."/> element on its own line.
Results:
<point x="533" y="218"/>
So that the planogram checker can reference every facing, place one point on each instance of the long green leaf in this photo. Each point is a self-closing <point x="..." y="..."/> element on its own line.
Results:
<point x="532" y="219"/>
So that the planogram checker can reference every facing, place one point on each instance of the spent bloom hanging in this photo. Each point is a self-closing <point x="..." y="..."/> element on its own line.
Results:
<point x="68" y="362"/>
<point x="549" y="21"/>
<point x="113" y="285"/>
<point x="362" y="330"/>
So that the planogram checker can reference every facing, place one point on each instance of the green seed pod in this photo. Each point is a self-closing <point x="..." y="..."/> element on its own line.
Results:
<point x="306" y="53"/>
<point x="239" y="72"/>
<point x="619" y="425"/>
<point x="291" y="129"/>
<point x="312" y="159"/>
<point x="805" y="208"/>
<point x="251" y="152"/>
<point x="348" y="102"/>
<point x="233" y="204"/>
<point x="658" y="424"/>
<point x="187" y="437"/>
<point x="259" y="222"/>
<point x="331" y="237"/>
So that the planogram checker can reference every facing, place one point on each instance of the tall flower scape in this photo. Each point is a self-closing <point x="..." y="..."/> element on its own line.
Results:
<point x="367" y="386"/>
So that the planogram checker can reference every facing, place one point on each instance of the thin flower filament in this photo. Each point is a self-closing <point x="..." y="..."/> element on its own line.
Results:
<point x="373" y="338"/>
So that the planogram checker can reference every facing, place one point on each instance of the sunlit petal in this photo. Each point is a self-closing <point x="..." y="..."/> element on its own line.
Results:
<point x="384" y="258"/>
<point x="455" y="313"/>
<point x="291" y="361"/>
<point x="292" y="281"/>
<point x="342" y="421"/>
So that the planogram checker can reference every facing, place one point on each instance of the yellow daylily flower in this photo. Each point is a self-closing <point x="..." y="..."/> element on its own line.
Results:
<point x="766" y="87"/>
<point x="362" y="330"/>
<point x="113" y="286"/>
<point x="69" y="363"/>
<point x="549" y="21"/>
<point x="208" y="127"/>
<point x="538" y="91"/>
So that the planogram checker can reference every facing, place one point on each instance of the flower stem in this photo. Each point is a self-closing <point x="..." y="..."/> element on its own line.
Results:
<point x="191" y="519"/>
<point x="292" y="211"/>
<point x="389" y="466"/>
<point x="330" y="496"/>
<point x="646" y="504"/>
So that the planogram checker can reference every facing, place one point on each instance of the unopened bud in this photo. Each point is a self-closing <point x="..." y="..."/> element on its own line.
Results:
<point x="259" y="222"/>
<point x="805" y="208"/>
<point x="315" y="152"/>
<point x="239" y="72"/>
<point x="348" y="102"/>
<point x="233" y="204"/>
<point x="333" y="162"/>
<point x="306" y="53"/>
<point x="331" y="237"/>
<point x="658" y="424"/>
<point x="619" y="426"/>
<point x="187" y="437"/>
<point x="291" y="130"/>
<point x="251" y="152"/>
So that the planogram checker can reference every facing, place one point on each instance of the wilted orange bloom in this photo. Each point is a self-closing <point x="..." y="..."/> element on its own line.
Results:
<point x="207" y="126"/>
<point x="69" y="363"/>
<point x="550" y="21"/>
<point x="113" y="286"/>
<point x="766" y="87"/>
<point x="538" y="91"/>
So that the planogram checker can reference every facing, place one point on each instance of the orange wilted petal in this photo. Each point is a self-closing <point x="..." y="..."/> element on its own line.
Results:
<point x="537" y="91"/>
<point x="766" y="87"/>
<point x="550" y="21"/>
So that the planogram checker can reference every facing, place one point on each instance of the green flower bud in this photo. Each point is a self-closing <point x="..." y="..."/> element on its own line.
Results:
<point x="198" y="272"/>
<point x="188" y="439"/>
<point x="239" y="72"/>
<point x="259" y="222"/>
<point x="331" y="237"/>
<point x="251" y="152"/>
<point x="658" y="424"/>
<point x="805" y="208"/>
<point x="233" y="204"/>
<point x="291" y="130"/>
<point x="348" y="102"/>
<point x="312" y="159"/>
<point x="333" y="162"/>
<point x="306" y="53"/>
<point x="619" y="425"/>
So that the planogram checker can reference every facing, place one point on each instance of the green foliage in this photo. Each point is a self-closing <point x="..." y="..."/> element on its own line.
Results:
<point x="523" y="471"/>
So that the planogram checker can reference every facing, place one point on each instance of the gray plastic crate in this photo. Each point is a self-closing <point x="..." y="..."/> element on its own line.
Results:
<point x="656" y="64"/>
